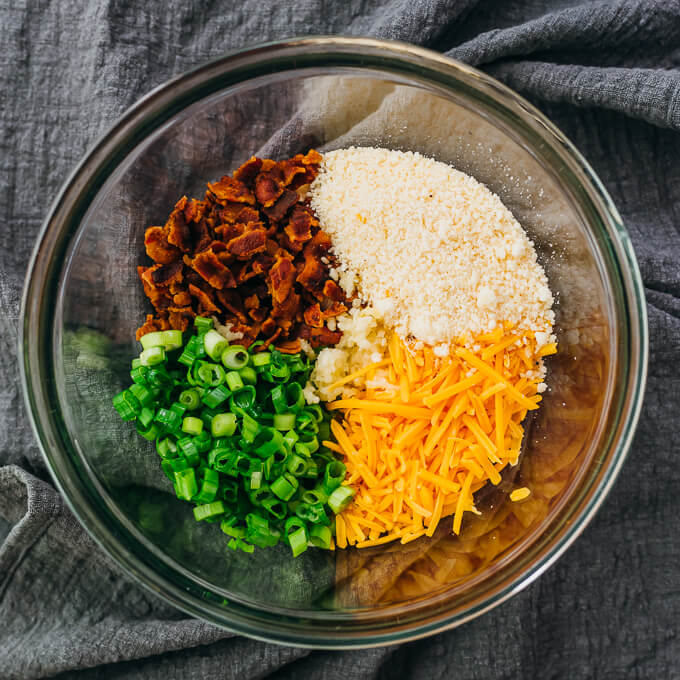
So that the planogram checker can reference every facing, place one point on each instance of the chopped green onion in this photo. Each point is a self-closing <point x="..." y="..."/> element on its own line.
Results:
<point x="216" y="396"/>
<point x="320" y="536"/>
<point x="312" y="513"/>
<point x="210" y="484"/>
<point x="340" y="499"/>
<point x="275" y="507"/>
<point x="185" y="483"/>
<point x="261" y="359"/>
<point x="171" y="339"/>
<point x="316" y="410"/>
<point x="311" y="471"/>
<point x="222" y="459"/>
<point x="234" y="532"/>
<point x="143" y="395"/>
<point x="284" y="486"/>
<point x="177" y="408"/>
<point x="145" y="417"/>
<point x="235" y="357"/>
<point x="166" y="447"/>
<point x="223" y="425"/>
<point x="153" y="339"/>
<point x="203" y="324"/>
<point x="214" y="344"/>
<point x="152" y="356"/>
<point x="138" y="374"/>
<point x="150" y="432"/>
<point x="192" y="425"/>
<point x="333" y="476"/>
<point x="188" y="448"/>
<point x="290" y="438"/>
<point x="248" y="375"/>
<point x="314" y="496"/>
<point x="244" y="402"/>
<point x="203" y="441"/>
<point x="256" y="479"/>
<point x="296" y="465"/>
<point x="136" y="363"/>
<point x="124" y="404"/>
<point x="284" y="421"/>
<point x="170" y="420"/>
<point x="298" y="541"/>
<point x="190" y="399"/>
<point x="178" y="464"/>
<point x="209" y="510"/>
<point x="268" y="442"/>
<point x="210" y="375"/>
<point x="234" y="381"/>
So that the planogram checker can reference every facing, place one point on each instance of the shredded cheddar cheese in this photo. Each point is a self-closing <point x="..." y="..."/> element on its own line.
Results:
<point x="419" y="445"/>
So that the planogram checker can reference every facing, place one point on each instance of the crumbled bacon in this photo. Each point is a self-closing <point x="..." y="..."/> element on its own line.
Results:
<point x="157" y="246"/>
<point x="232" y="190"/>
<point x="248" y="244"/>
<point x="213" y="271"/>
<point x="250" y="253"/>
<point x="279" y="209"/>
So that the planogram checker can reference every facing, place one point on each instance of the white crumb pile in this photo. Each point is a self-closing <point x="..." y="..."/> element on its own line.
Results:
<point x="434" y="252"/>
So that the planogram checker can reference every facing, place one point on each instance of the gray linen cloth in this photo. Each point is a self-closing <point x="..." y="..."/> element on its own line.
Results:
<point x="607" y="73"/>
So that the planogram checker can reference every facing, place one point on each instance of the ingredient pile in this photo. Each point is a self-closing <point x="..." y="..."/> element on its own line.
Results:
<point x="343" y="348"/>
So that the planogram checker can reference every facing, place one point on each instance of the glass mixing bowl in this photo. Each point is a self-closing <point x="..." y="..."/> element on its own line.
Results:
<point x="83" y="302"/>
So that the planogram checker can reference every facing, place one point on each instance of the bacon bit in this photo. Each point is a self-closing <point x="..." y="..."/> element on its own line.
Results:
<point x="248" y="244"/>
<point x="268" y="188"/>
<point x="262" y="264"/>
<point x="289" y="347"/>
<point x="247" y="172"/>
<point x="229" y="231"/>
<point x="290" y="169"/>
<point x="281" y="278"/>
<point x="300" y="225"/>
<point x="205" y="304"/>
<point x="193" y="210"/>
<point x="251" y="302"/>
<point x="312" y="275"/>
<point x="151" y="324"/>
<point x="268" y="326"/>
<point x="237" y="212"/>
<point x="285" y="312"/>
<point x="180" y="319"/>
<point x="313" y="316"/>
<point x="230" y="189"/>
<point x="319" y="246"/>
<point x="269" y="340"/>
<point x="319" y="337"/>
<point x="278" y="211"/>
<point x="200" y="235"/>
<point x="182" y="299"/>
<point x="231" y="300"/>
<point x="333" y="291"/>
<point x="165" y="274"/>
<point x="287" y="244"/>
<point x="311" y="158"/>
<point x="335" y="309"/>
<point x="176" y="227"/>
<point x="251" y="253"/>
<point x="257" y="314"/>
<point x="213" y="271"/>
<point x="158" y="248"/>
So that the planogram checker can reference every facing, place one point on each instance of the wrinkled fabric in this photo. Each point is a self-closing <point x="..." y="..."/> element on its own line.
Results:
<point x="608" y="74"/>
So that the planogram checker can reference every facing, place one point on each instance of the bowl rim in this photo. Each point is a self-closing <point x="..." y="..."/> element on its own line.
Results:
<point x="131" y="128"/>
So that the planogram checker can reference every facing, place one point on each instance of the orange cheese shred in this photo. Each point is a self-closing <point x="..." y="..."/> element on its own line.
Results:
<point x="418" y="452"/>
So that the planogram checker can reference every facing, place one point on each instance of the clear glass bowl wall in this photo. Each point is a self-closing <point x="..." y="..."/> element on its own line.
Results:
<point x="84" y="301"/>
